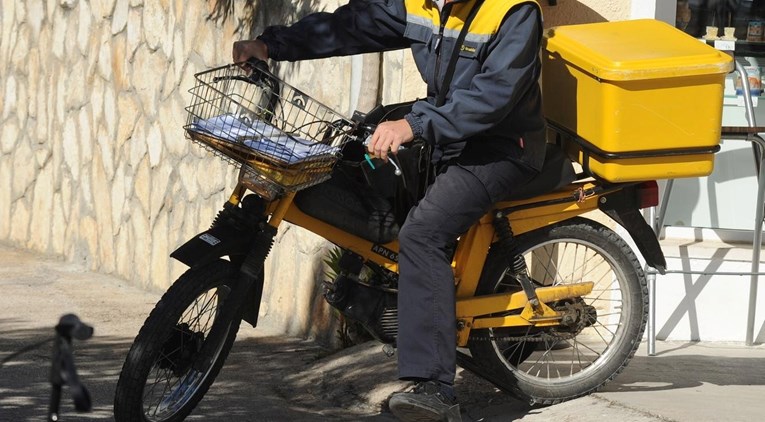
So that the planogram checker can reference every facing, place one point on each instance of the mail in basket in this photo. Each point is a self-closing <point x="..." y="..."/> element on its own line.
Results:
<point x="284" y="139"/>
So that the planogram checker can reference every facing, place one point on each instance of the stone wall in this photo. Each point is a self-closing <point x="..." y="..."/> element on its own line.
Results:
<point x="94" y="166"/>
<point x="568" y="12"/>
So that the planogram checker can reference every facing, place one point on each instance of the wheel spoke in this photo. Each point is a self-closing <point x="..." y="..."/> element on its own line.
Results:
<point x="568" y="256"/>
<point x="162" y="374"/>
<point x="197" y="318"/>
<point x="591" y="349"/>
<point x="613" y="334"/>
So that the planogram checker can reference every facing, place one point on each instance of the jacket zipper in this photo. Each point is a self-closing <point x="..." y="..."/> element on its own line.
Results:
<point x="444" y="16"/>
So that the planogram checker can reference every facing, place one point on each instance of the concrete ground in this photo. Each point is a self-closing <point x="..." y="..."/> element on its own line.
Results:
<point x="269" y="377"/>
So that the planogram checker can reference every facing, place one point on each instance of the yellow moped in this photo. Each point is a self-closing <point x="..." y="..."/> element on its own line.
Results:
<point x="551" y="304"/>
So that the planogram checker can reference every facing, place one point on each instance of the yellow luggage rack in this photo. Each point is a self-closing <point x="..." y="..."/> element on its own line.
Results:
<point x="643" y="99"/>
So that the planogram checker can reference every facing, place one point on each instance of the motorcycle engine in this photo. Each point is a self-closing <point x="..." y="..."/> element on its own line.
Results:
<point x="374" y="307"/>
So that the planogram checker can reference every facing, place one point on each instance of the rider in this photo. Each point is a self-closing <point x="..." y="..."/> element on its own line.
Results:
<point x="487" y="139"/>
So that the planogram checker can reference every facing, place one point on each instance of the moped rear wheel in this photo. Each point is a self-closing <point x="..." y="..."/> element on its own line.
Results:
<point x="158" y="381"/>
<point x="548" y="366"/>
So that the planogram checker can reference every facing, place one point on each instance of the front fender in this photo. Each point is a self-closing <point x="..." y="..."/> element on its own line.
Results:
<point x="212" y="244"/>
<point x="218" y="242"/>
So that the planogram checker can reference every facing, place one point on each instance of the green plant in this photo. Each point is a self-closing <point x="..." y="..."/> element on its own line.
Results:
<point x="349" y="332"/>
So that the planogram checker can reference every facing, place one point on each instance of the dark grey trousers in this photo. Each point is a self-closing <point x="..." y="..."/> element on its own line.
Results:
<point x="459" y="196"/>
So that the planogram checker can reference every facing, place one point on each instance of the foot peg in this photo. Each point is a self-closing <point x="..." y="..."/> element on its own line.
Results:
<point x="389" y="350"/>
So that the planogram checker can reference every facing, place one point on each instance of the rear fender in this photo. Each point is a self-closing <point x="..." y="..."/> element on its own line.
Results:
<point x="623" y="207"/>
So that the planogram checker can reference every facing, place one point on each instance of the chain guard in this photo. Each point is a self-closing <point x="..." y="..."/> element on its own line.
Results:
<point x="583" y="316"/>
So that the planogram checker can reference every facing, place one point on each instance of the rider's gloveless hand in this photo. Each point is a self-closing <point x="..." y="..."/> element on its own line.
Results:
<point x="388" y="137"/>
<point x="245" y="50"/>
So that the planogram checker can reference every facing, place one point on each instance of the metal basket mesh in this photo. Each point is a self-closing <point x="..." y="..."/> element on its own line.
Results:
<point x="284" y="139"/>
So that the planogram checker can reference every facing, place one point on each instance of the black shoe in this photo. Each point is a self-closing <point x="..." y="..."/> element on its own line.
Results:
<point x="428" y="402"/>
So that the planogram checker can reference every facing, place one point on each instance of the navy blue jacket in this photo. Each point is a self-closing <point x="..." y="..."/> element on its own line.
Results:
<point x="493" y="106"/>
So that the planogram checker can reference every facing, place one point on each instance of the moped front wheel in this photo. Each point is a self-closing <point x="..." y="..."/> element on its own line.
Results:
<point x="159" y="379"/>
<point x="551" y="365"/>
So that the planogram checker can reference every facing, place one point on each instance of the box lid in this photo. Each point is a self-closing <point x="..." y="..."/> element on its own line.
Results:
<point x="635" y="50"/>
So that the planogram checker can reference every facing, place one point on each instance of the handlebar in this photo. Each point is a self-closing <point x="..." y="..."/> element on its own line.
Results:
<point x="368" y="130"/>
<point x="259" y="72"/>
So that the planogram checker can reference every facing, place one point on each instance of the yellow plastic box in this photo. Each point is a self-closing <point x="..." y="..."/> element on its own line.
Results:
<point x="639" y="100"/>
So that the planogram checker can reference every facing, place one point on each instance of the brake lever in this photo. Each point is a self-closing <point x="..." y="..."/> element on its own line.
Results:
<point x="391" y="158"/>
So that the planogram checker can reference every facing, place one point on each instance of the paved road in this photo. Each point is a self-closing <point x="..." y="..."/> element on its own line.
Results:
<point x="269" y="377"/>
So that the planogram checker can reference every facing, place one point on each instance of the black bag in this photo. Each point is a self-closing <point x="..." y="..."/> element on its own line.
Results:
<point x="414" y="161"/>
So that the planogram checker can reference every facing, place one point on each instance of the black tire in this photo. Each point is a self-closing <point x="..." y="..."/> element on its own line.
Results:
<point x="165" y="347"/>
<point x="554" y="368"/>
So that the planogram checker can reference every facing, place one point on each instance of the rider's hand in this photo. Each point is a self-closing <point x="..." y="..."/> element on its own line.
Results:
<point x="388" y="137"/>
<point x="245" y="50"/>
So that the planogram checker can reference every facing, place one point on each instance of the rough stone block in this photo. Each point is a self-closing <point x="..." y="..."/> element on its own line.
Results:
<point x="21" y="48"/>
<point x="110" y="111"/>
<point x="160" y="265"/>
<point x="142" y="185"/>
<point x="103" y="215"/>
<point x="84" y="22"/>
<point x="42" y="209"/>
<point x="105" y="57"/>
<point x="85" y="134"/>
<point x="134" y="30"/>
<point x="118" y="196"/>
<point x="10" y="96"/>
<point x="71" y="148"/>
<point x="76" y="86"/>
<point x="161" y="181"/>
<point x="106" y="150"/>
<point x="57" y="224"/>
<point x="173" y="118"/>
<point x="140" y="244"/>
<point x="58" y="38"/>
<point x="9" y="25"/>
<point x="145" y="73"/>
<point x="120" y="16"/>
<point x="35" y="16"/>
<point x="155" y="21"/>
<point x="154" y="144"/>
<point x="42" y="116"/>
<point x="6" y="204"/>
<point x="10" y="136"/>
<point x="24" y="170"/>
<point x="20" y="222"/>
<point x="128" y="112"/>
<point x="120" y="63"/>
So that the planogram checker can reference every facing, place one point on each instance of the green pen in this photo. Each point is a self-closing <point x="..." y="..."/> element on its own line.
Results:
<point x="369" y="161"/>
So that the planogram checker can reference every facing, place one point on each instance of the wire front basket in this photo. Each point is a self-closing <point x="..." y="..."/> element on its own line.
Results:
<point x="285" y="140"/>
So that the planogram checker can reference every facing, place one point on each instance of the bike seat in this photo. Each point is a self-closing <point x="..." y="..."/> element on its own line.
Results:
<point x="557" y="172"/>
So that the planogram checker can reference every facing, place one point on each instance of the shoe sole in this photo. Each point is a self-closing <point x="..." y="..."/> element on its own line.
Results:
<point x="410" y="411"/>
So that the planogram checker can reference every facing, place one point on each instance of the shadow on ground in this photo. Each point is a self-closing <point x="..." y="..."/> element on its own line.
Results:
<point x="254" y="383"/>
<point x="278" y="379"/>
<point x="687" y="371"/>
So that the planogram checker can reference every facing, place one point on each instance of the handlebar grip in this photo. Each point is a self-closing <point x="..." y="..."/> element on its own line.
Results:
<point x="259" y="71"/>
<point x="256" y="63"/>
